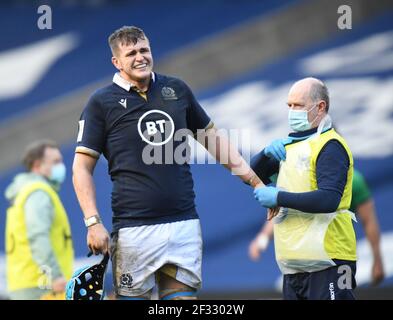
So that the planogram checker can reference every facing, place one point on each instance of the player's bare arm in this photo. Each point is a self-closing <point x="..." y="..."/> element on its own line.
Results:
<point x="222" y="150"/>
<point x="83" y="168"/>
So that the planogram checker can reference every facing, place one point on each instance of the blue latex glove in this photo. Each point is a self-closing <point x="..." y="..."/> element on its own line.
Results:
<point x="277" y="150"/>
<point x="267" y="196"/>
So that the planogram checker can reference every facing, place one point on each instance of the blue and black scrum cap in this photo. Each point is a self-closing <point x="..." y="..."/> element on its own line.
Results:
<point x="87" y="283"/>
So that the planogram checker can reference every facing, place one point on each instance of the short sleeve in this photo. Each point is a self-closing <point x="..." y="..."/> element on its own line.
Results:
<point x="91" y="133"/>
<point x="197" y="117"/>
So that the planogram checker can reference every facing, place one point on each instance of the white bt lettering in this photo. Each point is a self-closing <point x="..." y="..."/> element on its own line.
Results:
<point x="151" y="127"/>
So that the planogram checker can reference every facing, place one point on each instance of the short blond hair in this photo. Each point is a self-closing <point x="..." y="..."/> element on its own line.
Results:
<point x="125" y="35"/>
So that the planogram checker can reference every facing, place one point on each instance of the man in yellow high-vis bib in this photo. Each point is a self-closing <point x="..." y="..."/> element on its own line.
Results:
<point x="314" y="239"/>
<point x="39" y="250"/>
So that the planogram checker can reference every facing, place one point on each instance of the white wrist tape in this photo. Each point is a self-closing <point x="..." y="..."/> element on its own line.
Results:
<point x="262" y="241"/>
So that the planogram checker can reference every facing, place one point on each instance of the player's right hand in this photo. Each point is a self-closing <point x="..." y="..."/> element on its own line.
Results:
<point x="98" y="239"/>
<point x="59" y="285"/>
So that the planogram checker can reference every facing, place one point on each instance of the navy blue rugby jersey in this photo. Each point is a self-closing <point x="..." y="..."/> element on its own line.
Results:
<point x="125" y="126"/>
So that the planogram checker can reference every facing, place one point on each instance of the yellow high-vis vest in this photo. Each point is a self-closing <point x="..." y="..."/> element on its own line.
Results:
<point x="308" y="242"/>
<point x="22" y="271"/>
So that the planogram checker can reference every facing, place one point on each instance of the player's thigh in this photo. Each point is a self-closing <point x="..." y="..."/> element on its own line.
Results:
<point x="185" y="252"/>
<point x="133" y="261"/>
<point x="172" y="289"/>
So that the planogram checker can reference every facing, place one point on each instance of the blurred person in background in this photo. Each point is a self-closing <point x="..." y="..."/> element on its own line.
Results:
<point x="313" y="233"/>
<point x="363" y="205"/>
<point x="39" y="248"/>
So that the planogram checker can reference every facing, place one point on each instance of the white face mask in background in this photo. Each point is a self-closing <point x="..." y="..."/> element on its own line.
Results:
<point x="298" y="119"/>
<point x="58" y="173"/>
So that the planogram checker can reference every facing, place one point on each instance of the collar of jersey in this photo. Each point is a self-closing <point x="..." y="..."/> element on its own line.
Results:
<point x="122" y="83"/>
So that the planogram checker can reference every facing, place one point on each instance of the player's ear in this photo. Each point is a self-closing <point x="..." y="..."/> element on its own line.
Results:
<point x="116" y="63"/>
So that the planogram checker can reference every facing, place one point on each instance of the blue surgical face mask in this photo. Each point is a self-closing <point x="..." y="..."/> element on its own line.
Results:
<point x="58" y="173"/>
<point x="298" y="119"/>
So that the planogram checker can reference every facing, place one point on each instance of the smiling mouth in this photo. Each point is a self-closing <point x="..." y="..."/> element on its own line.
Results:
<point x="140" y="66"/>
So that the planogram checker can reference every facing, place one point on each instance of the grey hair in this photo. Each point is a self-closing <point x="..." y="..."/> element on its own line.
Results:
<point x="319" y="91"/>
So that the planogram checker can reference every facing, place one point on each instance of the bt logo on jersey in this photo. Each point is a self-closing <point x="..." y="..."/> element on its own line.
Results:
<point x="151" y="126"/>
<point x="160" y="131"/>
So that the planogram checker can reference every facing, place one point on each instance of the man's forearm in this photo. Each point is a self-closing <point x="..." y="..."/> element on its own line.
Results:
<point x="222" y="150"/>
<point x="317" y="201"/>
<point x="266" y="168"/>
<point x="368" y="218"/>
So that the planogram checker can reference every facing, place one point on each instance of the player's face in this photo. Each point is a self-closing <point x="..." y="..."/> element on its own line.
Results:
<point x="135" y="61"/>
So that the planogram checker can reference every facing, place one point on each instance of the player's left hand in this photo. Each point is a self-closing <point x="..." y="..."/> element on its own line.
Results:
<point x="98" y="239"/>
<point x="267" y="196"/>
